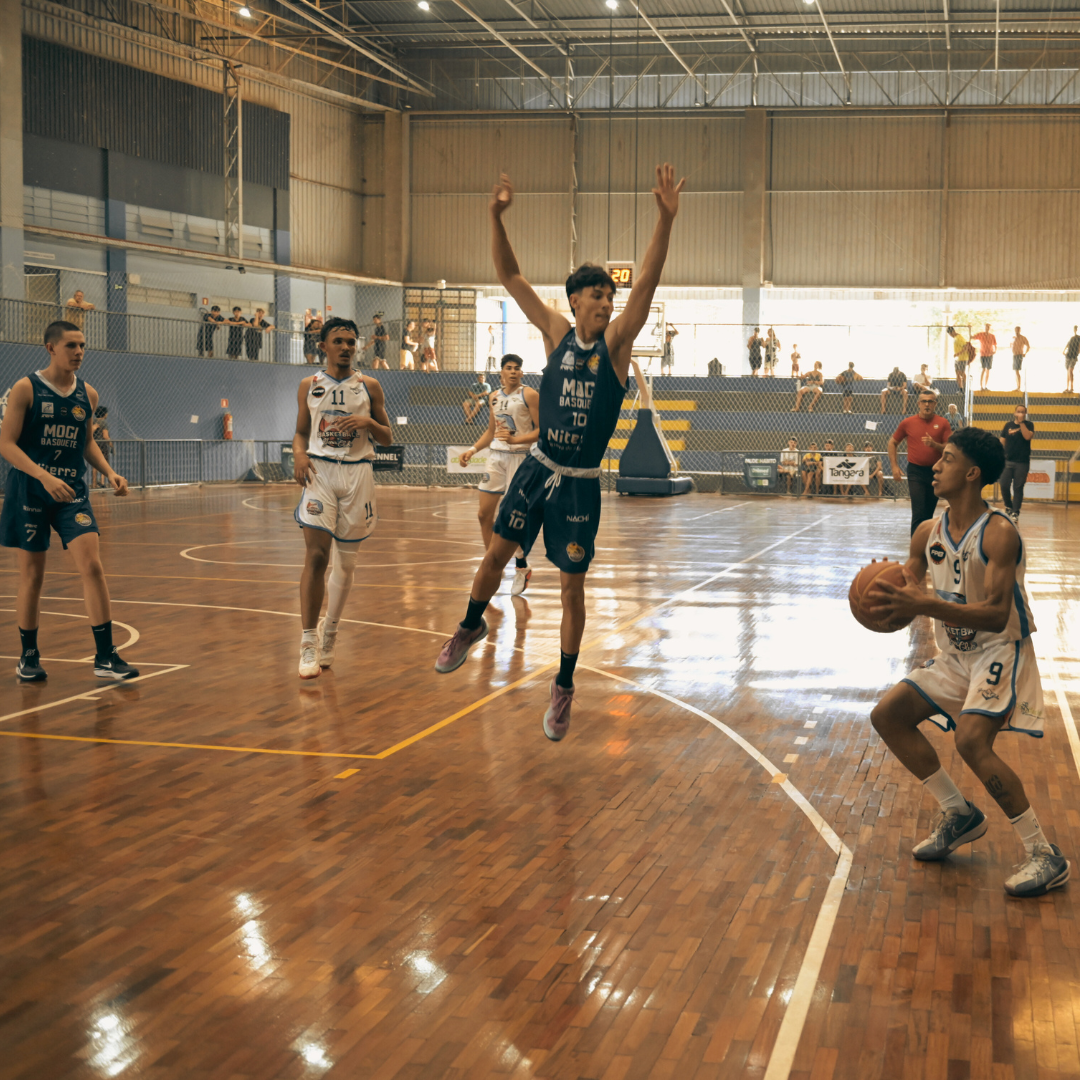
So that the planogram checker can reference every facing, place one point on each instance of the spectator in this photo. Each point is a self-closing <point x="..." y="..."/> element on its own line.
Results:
<point x="875" y="471"/>
<point x="828" y="452"/>
<point x="205" y="342"/>
<point x="492" y="359"/>
<point x="772" y="353"/>
<point x="754" y="345"/>
<point x="715" y="368"/>
<point x="1071" y="352"/>
<point x="379" y="337"/>
<point x="254" y="333"/>
<point x="312" y="327"/>
<point x="956" y="420"/>
<point x="667" y="358"/>
<point x="813" y="383"/>
<point x="236" y="335"/>
<point x="811" y="471"/>
<point x="923" y="381"/>
<point x="926" y="434"/>
<point x="99" y="430"/>
<point x="479" y="395"/>
<point x="409" y="345"/>
<point x="795" y="358"/>
<point x="963" y="354"/>
<point x="76" y="309"/>
<point x="789" y="462"/>
<point x="1016" y="437"/>
<point x="847" y="380"/>
<point x="987" y="348"/>
<point x="1020" y="348"/>
<point x="895" y="383"/>
<point x="429" y="360"/>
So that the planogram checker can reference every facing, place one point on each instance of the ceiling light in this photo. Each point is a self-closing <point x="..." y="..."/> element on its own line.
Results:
<point x="245" y="12"/>
<point x="613" y="4"/>
<point x="423" y="5"/>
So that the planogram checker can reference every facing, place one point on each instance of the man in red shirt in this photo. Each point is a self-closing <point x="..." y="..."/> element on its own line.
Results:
<point x="926" y="434"/>
<point x="987" y="348"/>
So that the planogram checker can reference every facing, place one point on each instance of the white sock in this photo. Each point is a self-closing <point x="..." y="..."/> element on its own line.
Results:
<point x="941" y="786"/>
<point x="342" y="568"/>
<point x="1029" y="830"/>
<point x="311" y="637"/>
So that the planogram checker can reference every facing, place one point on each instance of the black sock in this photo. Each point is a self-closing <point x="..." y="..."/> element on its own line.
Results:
<point x="28" y="639"/>
<point x="473" y="615"/>
<point x="567" y="663"/>
<point x="103" y="645"/>
<point x="521" y="564"/>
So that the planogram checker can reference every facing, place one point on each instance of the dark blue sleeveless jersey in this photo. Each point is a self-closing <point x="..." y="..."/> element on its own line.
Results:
<point x="580" y="399"/>
<point x="54" y="431"/>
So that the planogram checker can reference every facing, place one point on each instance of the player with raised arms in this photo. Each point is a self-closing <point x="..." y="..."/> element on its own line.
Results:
<point x="46" y="437"/>
<point x="513" y="427"/>
<point x="581" y="394"/>
<point x="986" y="679"/>
<point x="341" y="415"/>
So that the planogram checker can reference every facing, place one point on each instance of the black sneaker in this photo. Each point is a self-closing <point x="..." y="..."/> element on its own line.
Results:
<point x="29" y="668"/>
<point x="112" y="667"/>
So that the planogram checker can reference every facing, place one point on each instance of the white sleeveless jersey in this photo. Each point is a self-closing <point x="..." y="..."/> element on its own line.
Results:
<point x="958" y="574"/>
<point x="511" y="410"/>
<point x="328" y="400"/>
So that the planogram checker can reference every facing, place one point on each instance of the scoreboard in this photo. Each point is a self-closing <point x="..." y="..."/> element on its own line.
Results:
<point x="622" y="273"/>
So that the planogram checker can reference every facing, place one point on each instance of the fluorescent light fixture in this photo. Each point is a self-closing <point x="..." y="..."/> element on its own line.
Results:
<point x="245" y="12"/>
<point x="613" y="4"/>
<point x="423" y="5"/>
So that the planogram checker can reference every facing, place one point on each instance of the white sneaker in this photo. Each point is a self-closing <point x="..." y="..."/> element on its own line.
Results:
<point x="521" y="581"/>
<point x="326" y="646"/>
<point x="309" y="661"/>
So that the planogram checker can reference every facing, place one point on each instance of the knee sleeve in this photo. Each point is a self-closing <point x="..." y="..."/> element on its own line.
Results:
<point x="342" y="569"/>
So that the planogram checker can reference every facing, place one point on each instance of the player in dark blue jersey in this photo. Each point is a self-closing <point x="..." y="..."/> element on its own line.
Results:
<point x="45" y="436"/>
<point x="581" y="392"/>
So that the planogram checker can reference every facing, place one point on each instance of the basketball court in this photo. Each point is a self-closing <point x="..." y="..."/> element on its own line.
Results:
<point x="218" y="870"/>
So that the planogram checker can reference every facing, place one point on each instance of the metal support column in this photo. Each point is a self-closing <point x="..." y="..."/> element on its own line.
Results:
<point x="233" y="165"/>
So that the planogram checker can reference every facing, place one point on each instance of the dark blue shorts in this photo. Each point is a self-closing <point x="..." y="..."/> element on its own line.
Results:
<point x="569" y="518"/>
<point x="30" y="513"/>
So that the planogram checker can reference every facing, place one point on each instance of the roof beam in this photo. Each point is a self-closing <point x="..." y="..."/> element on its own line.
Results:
<point x="945" y="4"/>
<point x="836" y="51"/>
<point x="739" y="26"/>
<point x="667" y="45"/>
<point x="543" y="33"/>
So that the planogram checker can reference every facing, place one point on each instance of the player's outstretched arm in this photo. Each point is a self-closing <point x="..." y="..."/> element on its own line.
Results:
<point x="19" y="403"/>
<point x="623" y="330"/>
<point x="303" y="470"/>
<point x="552" y="326"/>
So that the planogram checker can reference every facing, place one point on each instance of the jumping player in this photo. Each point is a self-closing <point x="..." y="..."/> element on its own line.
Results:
<point x="986" y="679"/>
<point x="581" y="393"/>
<point x="341" y="412"/>
<point x="513" y="427"/>
<point x="46" y="437"/>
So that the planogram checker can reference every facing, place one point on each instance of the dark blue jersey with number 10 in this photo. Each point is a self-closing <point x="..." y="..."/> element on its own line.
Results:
<point x="54" y="431"/>
<point x="580" y="400"/>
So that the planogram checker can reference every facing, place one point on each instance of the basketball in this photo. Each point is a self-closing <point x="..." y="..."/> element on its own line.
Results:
<point x="860" y="601"/>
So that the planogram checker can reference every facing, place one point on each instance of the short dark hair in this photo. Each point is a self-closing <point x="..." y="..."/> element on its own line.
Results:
<point x="215" y="308"/>
<point x="511" y="358"/>
<point x="238" y="308"/>
<point x="101" y="410"/>
<point x="927" y="393"/>
<point x="56" y="330"/>
<point x="338" y="324"/>
<point x="586" y="276"/>
<point x="983" y="450"/>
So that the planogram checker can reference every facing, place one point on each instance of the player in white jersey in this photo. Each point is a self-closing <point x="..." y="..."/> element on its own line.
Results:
<point x="985" y="679"/>
<point x="513" y="426"/>
<point x="341" y="412"/>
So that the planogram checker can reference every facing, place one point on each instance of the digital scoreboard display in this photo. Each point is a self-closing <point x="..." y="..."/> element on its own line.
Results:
<point x="622" y="273"/>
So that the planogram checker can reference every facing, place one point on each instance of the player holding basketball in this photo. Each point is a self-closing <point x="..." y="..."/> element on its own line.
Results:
<point x="341" y="412"/>
<point x="46" y="437"/>
<point x="513" y="427"/>
<point x="581" y="393"/>
<point x="986" y="679"/>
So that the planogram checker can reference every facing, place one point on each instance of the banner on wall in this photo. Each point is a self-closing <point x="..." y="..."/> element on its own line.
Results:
<point x="1041" y="480"/>
<point x="846" y="469"/>
<point x="478" y="463"/>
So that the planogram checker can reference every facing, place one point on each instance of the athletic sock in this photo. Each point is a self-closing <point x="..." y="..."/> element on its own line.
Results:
<point x="474" y="614"/>
<point x="311" y="637"/>
<point x="1028" y="829"/>
<point x="941" y="786"/>
<point x="28" y="639"/>
<point x="103" y="645"/>
<point x="567" y="663"/>
<point x="521" y="564"/>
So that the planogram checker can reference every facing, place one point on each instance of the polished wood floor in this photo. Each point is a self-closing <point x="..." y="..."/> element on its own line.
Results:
<point x="222" y="872"/>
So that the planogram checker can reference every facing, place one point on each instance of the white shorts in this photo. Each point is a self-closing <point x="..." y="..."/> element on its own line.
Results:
<point x="1000" y="680"/>
<point x="340" y="500"/>
<point x="501" y="469"/>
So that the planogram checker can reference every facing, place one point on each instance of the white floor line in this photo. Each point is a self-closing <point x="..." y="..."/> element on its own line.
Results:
<point x="802" y="994"/>
<point x="724" y="510"/>
<point x="1050" y="666"/>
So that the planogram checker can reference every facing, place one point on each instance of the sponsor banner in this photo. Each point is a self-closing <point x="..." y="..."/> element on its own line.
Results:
<point x="389" y="458"/>
<point x="478" y="463"/>
<point x="846" y="469"/>
<point x="1041" y="480"/>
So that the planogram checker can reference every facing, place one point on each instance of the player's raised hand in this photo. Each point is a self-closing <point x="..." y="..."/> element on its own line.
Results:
<point x="667" y="191"/>
<point x="502" y="195"/>
<point x="119" y="484"/>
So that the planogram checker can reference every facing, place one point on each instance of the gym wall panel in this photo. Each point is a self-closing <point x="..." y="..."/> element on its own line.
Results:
<point x="854" y="239"/>
<point x="467" y="155"/>
<point x="856" y="153"/>
<point x="1029" y="150"/>
<point x="451" y="238"/>
<point x="326" y="227"/>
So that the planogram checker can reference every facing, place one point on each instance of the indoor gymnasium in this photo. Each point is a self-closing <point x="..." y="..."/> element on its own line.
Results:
<point x="538" y="539"/>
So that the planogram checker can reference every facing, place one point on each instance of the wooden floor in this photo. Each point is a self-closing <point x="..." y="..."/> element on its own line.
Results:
<point x="222" y="872"/>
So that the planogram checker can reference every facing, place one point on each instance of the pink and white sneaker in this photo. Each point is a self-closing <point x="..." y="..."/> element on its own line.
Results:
<point x="457" y="648"/>
<point x="557" y="717"/>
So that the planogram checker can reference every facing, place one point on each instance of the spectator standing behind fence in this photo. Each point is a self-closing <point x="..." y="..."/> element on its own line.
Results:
<point x="1020" y="348"/>
<point x="312" y="326"/>
<point x="667" y="357"/>
<point x="926" y="434"/>
<point x="829" y="451"/>
<point x="811" y="471"/>
<point x="379" y="337"/>
<point x="772" y="353"/>
<point x="963" y="354"/>
<point x="474" y="404"/>
<point x="205" y="342"/>
<point x="99" y="430"/>
<point x="875" y="470"/>
<point x="846" y="381"/>
<point x="1071" y="352"/>
<point x="76" y="309"/>
<point x="754" y="345"/>
<point x="430" y="359"/>
<point x="254" y="333"/>
<point x="235" y="345"/>
<point x="955" y="418"/>
<point x="987" y="348"/>
<point x="1016" y="437"/>
<point x="492" y="359"/>
<point x="895" y="383"/>
<point x="813" y="383"/>
<point x="923" y="381"/>
<point x="795" y="358"/>
<point x="789" y="462"/>
<point x="409" y="345"/>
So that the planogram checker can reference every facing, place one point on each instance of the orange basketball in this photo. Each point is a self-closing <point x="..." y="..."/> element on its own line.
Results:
<point x="861" y="595"/>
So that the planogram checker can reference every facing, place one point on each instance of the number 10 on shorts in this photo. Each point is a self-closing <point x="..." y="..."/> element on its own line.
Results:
<point x="517" y="520"/>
